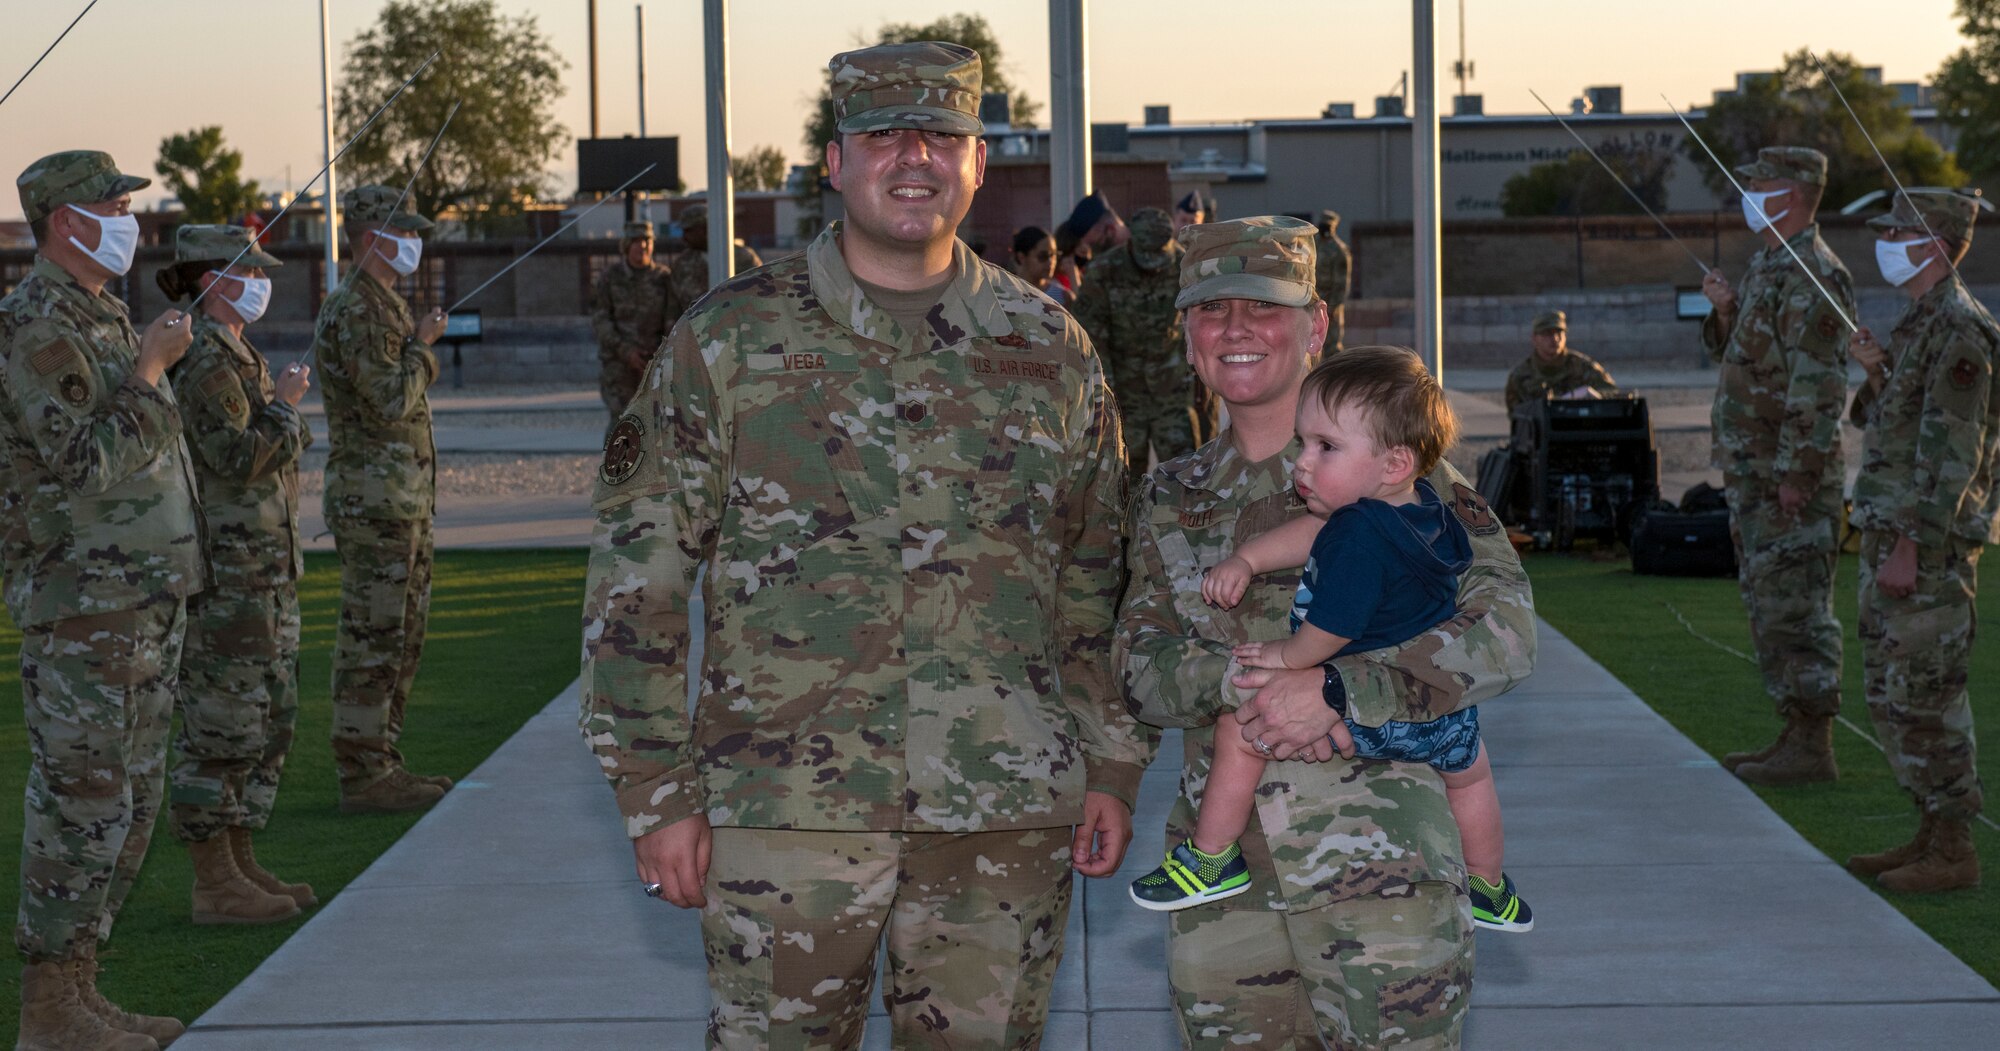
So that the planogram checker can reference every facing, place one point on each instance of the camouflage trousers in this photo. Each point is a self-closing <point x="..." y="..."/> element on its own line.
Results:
<point x="97" y="695"/>
<point x="385" y="604"/>
<point x="1336" y="329"/>
<point x="617" y="385"/>
<point x="1915" y="652"/>
<point x="1166" y="427"/>
<point x="239" y="702"/>
<point x="1784" y="569"/>
<point x="973" y="923"/>
<point x="1387" y="970"/>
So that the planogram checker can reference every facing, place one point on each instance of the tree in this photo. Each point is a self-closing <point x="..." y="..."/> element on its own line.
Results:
<point x="1578" y="186"/>
<point x="1966" y="88"/>
<point x="494" y="159"/>
<point x="1795" y="107"/>
<point x="206" y="176"/>
<point x="761" y="169"/>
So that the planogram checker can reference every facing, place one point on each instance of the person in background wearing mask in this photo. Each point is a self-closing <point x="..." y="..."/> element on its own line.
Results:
<point x="1926" y="503"/>
<point x="97" y="504"/>
<point x="239" y="684"/>
<point x="1782" y="348"/>
<point x="1072" y="258"/>
<point x="1035" y="257"/>
<point x="376" y="366"/>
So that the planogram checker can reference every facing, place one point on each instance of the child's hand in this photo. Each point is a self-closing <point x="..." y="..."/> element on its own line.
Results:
<point x="1223" y="585"/>
<point x="1261" y="654"/>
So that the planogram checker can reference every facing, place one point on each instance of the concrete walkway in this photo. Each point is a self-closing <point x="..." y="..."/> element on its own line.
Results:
<point x="1674" y="910"/>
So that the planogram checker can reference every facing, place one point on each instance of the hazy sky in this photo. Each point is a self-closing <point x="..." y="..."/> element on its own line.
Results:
<point x="135" y="71"/>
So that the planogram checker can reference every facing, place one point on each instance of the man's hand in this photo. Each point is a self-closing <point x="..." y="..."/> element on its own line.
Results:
<point x="291" y="384"/>
<point x="1897" y="576"/>
<point x="1791" y="501"/>
<point x="676" y="858"/>
<point x="431" y="327"/>
<point x="635" y="359"/>
<point x="1720" y="295"/>
<point x="1223" y="585"/>
<point x="1098" y="847"/>
<point x="164" y="342"/>
<point x="1873" y="359"/>
<point x="1290" y="714"/>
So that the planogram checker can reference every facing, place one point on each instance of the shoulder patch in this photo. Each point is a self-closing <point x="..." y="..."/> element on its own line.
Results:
<point x="75" y="389"/>
<point x="1472" y="510"/>
<point x="1964" y="373"/>
<point x="622" y="450"/>
<point x="1829" y="326"/>
<point x="53" y="355"/>
<point x="216" y="382"/>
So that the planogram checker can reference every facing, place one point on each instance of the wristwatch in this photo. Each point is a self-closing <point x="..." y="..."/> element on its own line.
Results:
<point x="1334" y="692"/>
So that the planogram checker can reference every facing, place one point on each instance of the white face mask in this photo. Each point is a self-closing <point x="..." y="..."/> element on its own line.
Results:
<point x="117" y="240"/>
<point x="253" y="300"/>
<point x="1758" y="205"/>
<point x="1893" y="259"/>
<point x="409" y="252"/>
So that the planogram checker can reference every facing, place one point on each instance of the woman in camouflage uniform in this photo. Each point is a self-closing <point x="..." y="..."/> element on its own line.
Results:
<point x="238" y="695"/>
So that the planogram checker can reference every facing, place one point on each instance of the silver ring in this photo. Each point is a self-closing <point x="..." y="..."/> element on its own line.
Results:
<point x="1261" y="747"/>
<point x="652" y="890"/>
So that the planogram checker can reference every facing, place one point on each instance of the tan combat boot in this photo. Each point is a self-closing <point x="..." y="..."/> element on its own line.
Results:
<point x="163" y="1029"/>
<point x="246" y="862"/>
<point x="1947" y="863"/>
<point x="1805" y="756"/>
<point x="55" y="1018"/>
<point x="442" y="782"/>
<point x="394" y="791"/>
<point x="1895" y="857"/>
<point x="222" y="894"/>
<point x="1735" y="759"/>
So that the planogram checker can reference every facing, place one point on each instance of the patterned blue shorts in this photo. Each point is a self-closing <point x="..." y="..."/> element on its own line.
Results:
<point x="1449" y="743"/>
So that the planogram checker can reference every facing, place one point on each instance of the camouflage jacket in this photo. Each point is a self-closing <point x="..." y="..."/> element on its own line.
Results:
<point x="1532" y="381"/>
<point x="1130" y="317"/>
<point x="246" y="446"/>
<point x="1931" y="442"/>
<point x="97" y="499"/>
<point x="632" y="310"/>
<point x="1333" y="271"/>
<point x="1334" y="830"/>
<point x="914" y="561"/>
<point x="374" y="375"/>
<point x="1784" y="370"/>
<point x="690" y="274"/>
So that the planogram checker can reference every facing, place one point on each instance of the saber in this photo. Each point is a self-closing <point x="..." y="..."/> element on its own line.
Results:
<point x="51" y="47"/>
<point x="467" y="298"/>
<point x="1629" y="191"/>
<point x="1893" y="179"/>
<point x="356" y="137"/>
<point x="1759" y="205"/>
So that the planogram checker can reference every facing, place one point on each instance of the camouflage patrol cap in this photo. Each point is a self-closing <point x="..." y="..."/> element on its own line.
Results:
<point x="1797" y="163"/>
<point x="1551" y="321"/>
<point x="929" y="85"/>
<point x="219" y="244"/>
<point x="1152" y="230"/>
<point x="1328" y="217"/>
<point x="693" y="215"/>
<point x="72" y="177"/>
<point x="1948" y="214"/>
<point x="637" y="231"/>
<point x="377" y="204"/>
<point x="1266" y="257"/>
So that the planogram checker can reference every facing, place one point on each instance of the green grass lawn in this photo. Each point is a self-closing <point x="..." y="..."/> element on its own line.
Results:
<point x="1628" y="624"/>
<point x="504" y="638"/>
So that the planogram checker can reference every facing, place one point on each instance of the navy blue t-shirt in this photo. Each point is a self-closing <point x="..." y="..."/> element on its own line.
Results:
<point x="1380" y="574"/>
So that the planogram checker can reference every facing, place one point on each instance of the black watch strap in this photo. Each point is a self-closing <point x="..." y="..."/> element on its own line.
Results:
<point x="1334" y="692"/>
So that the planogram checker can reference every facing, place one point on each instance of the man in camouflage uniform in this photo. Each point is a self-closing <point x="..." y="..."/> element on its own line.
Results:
<point x="1553" y="368"/>
<point x="901" y="465"/>
<point x="1927" y="503"/>
<point x="103" y="546"/>
<point x="632" y="307"/>
<point x="690" y="270"/>
<point x="1781" y="345"/>
<point x="1126" y="306"/>
<point x="376" y="366"/>
<point x="239" y="691"/>
<point x="1359" y="931"/>
<point x="1332" y="278"/>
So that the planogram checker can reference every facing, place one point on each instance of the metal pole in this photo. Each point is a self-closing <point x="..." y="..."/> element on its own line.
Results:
<point x="646" y="198"/>
<point x="721" y="191"/>
<point x="1427" y="302"/>
<point x="1069" y="109"/>
<point x="332" y="209"/>
<point x="593" y="67"/>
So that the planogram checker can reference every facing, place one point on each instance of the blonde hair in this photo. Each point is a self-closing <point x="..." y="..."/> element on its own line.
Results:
<point x="1405" y="404"/>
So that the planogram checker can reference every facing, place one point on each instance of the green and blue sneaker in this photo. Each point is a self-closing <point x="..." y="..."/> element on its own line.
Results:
<point x="1189" y="877"/>
<point x="1499" y="908"/>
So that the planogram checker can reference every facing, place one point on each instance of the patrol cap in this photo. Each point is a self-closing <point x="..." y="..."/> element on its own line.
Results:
<point x="929" y="85"/>
<point x="72" y="177"/>
<point x="219" y="244"/>
<point x="1797" y="163"/>
<point x="1265" y="257"/>
<point x="1948" y="214"/>
<point x="1551" y="321"/>
<point x="638" y="231"/>
<point x="376" y="204"/>
<point x="1152" y="230"/>
<point x="1329" y="217"/>
<point x="693" y="215"/>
